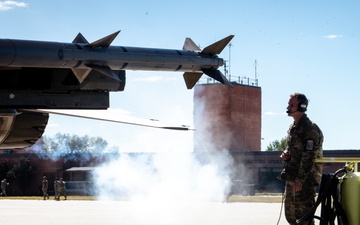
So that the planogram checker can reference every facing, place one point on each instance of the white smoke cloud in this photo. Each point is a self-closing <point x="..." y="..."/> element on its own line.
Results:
<point x="202" y="175"/>
<point x="164" y="177"/>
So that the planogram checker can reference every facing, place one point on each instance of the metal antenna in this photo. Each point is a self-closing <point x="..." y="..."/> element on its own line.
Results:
<point x="255" y="69"/>
<point x="230" y="45"/>
<point x="256" y="79"/>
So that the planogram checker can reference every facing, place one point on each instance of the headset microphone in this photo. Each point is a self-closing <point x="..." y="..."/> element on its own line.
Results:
<point x="291" y="111"/>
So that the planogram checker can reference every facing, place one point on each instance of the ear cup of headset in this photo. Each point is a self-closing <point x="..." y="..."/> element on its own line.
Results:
<point x="303" y="103"/>
<point x="302" y="107"/>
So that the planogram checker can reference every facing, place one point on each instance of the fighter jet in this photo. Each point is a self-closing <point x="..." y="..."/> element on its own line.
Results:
<point x="38" y="77"/>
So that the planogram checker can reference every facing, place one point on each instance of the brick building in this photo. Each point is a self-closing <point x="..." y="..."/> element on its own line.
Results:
<point x="229" y="118"/>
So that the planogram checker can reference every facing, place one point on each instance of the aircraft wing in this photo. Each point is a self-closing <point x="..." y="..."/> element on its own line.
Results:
<point x="116" y="117"/>
<point x="21" y="128"/>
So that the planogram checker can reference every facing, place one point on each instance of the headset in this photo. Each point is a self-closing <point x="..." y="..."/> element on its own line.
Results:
<point x="303" y="103"/>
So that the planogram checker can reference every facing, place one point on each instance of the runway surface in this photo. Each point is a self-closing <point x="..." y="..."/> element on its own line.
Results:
<point x="38" y="212"/>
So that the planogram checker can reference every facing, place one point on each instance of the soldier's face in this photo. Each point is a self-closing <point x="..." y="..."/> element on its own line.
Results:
<point x="292" y="106"/>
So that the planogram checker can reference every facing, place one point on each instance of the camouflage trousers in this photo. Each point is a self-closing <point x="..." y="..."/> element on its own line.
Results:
<point x="298" y="204"/>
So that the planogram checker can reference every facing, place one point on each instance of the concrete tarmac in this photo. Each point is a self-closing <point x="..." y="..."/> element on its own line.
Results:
<point x="38" y="212"/>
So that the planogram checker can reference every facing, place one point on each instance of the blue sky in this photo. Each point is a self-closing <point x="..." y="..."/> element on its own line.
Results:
<point x="310" y="47"/>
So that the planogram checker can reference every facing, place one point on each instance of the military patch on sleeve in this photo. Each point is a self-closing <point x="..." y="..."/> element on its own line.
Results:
<point x="309" y="146"/>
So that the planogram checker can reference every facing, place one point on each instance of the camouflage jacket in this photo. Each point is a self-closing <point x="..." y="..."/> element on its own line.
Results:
<point x="304" y="142"/>
<point x="45" y="184"/>
<point x="57" y="185"/>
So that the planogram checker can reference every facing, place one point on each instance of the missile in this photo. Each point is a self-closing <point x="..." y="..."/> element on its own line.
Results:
<point x="83" y="57"/>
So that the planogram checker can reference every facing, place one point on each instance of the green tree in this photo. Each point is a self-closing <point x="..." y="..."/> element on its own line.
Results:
<point x="23" y="174"/>
<point x="277" y="145"/>
<point x="73" y="144"/>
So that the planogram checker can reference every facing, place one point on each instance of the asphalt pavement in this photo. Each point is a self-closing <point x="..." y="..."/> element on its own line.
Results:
<point x="38" y="212"/>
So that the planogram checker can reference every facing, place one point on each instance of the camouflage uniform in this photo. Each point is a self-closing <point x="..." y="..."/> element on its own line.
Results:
<point x="45" y="185"/>
<point x="304" y="143"/>
<point x="3" y="187"/>
<point x="57" y="189"/>
<point x="63" y="188"/>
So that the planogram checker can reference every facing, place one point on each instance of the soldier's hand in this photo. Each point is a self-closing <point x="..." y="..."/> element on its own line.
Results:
<point x="297" y="187"/>
<point x="285" y="155"/>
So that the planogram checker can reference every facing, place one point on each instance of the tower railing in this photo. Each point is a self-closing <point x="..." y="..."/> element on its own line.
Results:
<point x="234" y="79"/>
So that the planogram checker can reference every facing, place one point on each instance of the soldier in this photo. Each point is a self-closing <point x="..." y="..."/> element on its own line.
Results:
<point x="3" y="187"/>
<point x="63" y="188"/>
<point x="44" y="187"/>
<point x="301" y="173"/>
<point x="57" y="189"/>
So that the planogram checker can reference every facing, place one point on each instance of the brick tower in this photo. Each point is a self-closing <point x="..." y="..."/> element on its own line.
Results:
<point x="227" y="118"/>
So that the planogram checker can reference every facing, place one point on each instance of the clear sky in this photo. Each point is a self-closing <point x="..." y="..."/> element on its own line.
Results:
<point x="311" y="47"/>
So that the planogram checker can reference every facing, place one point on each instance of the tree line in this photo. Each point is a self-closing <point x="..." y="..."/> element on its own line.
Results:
<point x="74" y="144"/>
<point x="22" y="173"/>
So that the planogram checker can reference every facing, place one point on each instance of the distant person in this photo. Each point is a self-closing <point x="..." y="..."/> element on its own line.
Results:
<point x="3" y="187"/>
<point x="57" y="188"/>
<point x="63" y="188"/>
<point x="44" y="187"/>
<point x="301" y="173"/>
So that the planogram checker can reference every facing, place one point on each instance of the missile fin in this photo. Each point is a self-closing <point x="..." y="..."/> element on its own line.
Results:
<point x="105" y="41"/>
<point x="217" y="47"/>
<point x="107" y="71"/>
<point x="191" y="79"/>
<point x="190" y="45"/>
<point x="80" y="39"/>
<point x="81" y="74"/>
<point x="217" y="75"/>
